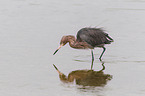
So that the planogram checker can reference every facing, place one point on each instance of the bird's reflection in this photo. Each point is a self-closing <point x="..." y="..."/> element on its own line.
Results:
<point x="86" y="77"/>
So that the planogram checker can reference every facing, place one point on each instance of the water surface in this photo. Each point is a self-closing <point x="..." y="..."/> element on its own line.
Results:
<point x="30" y="31"/>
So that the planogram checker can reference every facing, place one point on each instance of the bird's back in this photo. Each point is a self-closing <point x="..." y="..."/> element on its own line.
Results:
<point x="93" y="36"/>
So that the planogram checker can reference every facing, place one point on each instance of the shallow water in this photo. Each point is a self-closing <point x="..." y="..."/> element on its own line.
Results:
<point x="30" y="33"/>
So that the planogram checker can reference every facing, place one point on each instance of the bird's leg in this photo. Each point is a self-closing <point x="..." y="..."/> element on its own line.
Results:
<point x="92" y="59"/>
<point x="102" y="53"/>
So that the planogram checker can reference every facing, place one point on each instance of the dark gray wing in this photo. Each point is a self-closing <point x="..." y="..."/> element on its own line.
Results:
<point x="93" y="36"/>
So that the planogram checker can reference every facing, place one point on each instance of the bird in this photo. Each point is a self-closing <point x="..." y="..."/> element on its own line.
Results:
<point x="85" y="77"/>
<point x="87" y="38"/>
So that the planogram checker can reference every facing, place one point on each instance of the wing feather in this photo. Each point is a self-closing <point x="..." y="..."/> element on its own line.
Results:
<point x="93" y="36"/>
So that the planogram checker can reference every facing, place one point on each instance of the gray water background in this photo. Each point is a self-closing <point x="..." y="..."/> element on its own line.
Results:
<point x="30" y="31"/>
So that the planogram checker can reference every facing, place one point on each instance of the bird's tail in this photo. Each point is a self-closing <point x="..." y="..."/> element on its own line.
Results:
<point x="111" y="40"/>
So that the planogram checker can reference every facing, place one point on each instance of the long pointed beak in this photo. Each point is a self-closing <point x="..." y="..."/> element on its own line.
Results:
<point x="55" y="67"/>
<point x="57" y="70"/>
<point x="58" y="49"/>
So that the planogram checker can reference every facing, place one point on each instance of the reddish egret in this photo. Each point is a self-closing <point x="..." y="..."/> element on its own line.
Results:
<point x="87" y="38"/>
<point x="85" y="77"/>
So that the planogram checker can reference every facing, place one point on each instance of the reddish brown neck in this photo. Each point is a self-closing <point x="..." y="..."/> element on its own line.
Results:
<point x="79" y="45"/>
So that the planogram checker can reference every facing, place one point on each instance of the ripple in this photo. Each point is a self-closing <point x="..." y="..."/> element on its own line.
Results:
<point x="126" y="9"/>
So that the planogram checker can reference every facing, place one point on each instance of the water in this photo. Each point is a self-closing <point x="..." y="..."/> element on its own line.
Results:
<point x="30" y="33"/>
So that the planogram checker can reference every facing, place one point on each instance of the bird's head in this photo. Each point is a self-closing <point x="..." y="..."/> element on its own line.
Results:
<point x="65" y="40"/>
